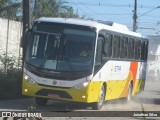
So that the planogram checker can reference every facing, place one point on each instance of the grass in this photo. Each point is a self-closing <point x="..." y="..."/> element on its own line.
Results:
<point x="10" y="77"/>
<point x="10" y="84"/>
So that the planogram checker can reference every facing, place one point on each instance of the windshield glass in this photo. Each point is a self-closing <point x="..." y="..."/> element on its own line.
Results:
<point x="70" y="51"/>
<point x="76" y="53"/>
<point x="42" y="50"/>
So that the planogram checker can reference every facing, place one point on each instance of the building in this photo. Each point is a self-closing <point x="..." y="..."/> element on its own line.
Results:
<point x="154" y="58"/>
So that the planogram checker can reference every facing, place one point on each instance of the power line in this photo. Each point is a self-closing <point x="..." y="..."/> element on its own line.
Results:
<point x="148" y="22"/>
<point x="90" y="9"/>
<point x="144" y="20"/>
<point x="124" y="14"/>
<point x="94" y="13"/>
<point x="86" y="8"/>
<point x="110" y="5"/>
<point x="148" y="28"/>
<point x="152" y="16"/>
<point x="97" y="4"/>
<point x="80" y="8"/>
<point x="149" y="11"/>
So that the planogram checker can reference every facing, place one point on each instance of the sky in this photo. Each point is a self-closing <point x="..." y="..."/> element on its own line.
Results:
<point x="121" y="11"/>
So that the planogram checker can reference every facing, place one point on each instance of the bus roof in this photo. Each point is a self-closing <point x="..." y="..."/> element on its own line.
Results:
<point x="91" y="23"/>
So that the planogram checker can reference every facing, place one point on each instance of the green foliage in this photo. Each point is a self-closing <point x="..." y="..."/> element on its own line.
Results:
<point x="9" y="9"/>
<point x="10" y="78"/>
<point x="52" y="8"/>
<point x="7" y="61"/>
<point x="12" y="9"/>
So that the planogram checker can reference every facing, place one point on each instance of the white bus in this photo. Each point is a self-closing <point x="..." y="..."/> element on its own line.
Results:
<point x="83" y="61"/>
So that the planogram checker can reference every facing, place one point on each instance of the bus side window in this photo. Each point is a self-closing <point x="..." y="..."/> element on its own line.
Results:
<point x="116" y="46"/>
<point x="108" y="46"/>
<point x="123" y="47"/>
<point x="137" y="49"/>
<point x="143" y="50"/>
<point x="130" y="48"/>
<point x="146" y="50"/>
<point x="98" y="61"/>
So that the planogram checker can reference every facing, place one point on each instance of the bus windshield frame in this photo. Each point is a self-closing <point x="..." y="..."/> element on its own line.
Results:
<point x="56" y="47"/>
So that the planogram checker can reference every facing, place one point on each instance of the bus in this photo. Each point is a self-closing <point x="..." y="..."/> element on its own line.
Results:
<point x="82" y="61"/>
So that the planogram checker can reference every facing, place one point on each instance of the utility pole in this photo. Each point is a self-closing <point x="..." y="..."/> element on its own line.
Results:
<point x="135" y="27"/>
<point x="26" y="24"/>
<point x="26" y="15"/>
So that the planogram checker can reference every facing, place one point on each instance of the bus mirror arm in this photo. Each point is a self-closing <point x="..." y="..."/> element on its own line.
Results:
<point x="25" y="38"/>
<point x="24" y="42"/>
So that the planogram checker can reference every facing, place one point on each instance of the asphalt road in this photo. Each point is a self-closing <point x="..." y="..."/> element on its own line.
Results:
<point x="148" y="100"/>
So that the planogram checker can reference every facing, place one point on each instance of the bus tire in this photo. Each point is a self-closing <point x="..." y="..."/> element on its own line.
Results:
<point x="129" y="96"/>
<point x="41" y="101"/>
<point x="98" y="105"/>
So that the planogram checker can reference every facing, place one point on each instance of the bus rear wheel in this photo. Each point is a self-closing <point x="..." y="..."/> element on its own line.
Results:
<point x="98" y="105"/>
<point x="41" y="101"/>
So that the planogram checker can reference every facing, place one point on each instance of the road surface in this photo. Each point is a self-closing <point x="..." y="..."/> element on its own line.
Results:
<point x="148" y="100"/>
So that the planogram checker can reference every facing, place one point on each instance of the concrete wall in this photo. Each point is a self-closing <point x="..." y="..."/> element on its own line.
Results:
<point x="13" y="34"/>
<point x="154" y="43"/>
<point x="153" y="67"/>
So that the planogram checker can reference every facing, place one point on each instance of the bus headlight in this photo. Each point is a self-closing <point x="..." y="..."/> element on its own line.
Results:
<point x="81" y="85"/>
<point x="29" y="79"/>
<point x="26" y="77"/>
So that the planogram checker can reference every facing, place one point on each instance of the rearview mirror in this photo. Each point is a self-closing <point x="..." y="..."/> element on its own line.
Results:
<point x="24" y="42"/>
<point x="25" y="38"/>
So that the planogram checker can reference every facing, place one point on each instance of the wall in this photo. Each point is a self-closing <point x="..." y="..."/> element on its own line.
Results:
<point x="153" y="58"/>
<point x="11" y="31"/>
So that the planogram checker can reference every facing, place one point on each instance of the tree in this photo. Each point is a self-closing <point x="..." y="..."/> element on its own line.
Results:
<point x="52" y="8"/>
<point x="9" y="9"/>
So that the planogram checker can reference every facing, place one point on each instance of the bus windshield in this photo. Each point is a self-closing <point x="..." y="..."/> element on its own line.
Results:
<point x="69" y="50"/>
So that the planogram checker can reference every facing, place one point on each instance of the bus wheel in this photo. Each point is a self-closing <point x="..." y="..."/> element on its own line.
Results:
<point x="129" y="96"/>
<point x="98" y="105"/>
<point x="41" y="101"/>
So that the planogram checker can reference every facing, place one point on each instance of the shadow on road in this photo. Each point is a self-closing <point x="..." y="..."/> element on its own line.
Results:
<point x="53" y="105"/>
<point x="148" y="101"/>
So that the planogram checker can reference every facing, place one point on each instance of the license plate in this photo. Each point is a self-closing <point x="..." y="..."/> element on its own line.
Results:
<point x="54" y="95"/>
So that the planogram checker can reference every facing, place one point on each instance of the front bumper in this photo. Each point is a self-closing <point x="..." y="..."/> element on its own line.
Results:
<point x="86" y="94"/>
